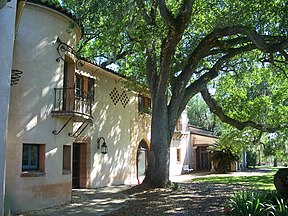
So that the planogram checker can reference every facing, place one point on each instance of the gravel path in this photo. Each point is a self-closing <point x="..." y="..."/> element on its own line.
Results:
<point x="190" y="199"/>
<point x="196" y="198"/>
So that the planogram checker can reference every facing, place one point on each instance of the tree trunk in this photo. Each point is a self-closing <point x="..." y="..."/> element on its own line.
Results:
<point x="281" y="182"/>
<point x="158" y="167"/>
<point x="275" y="164"/>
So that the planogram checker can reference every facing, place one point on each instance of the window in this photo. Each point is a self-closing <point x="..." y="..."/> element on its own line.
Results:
<point x="68" y="85"/>
<point x="178" y="126"/>
<point x="84" y="94"/>
<point x="79" y="86"/>
<point x="84" y="87"/>
<point x="144" y="104"/>
<point x="30" y="160"/>
<point x="178" y="155"/>
<point x="33" y="157"/>
<point x="66" y="159"/>
<point x="91" y="83"/>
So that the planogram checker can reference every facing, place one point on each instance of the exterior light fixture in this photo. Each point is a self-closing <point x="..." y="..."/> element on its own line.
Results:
<point x="104" y="147"/>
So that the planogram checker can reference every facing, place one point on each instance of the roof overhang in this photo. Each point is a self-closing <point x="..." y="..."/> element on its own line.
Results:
<point x="178" y="135"/>
<point x="205" y="135"/>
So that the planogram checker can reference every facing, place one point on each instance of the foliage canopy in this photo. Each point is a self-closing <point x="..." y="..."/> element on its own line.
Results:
<point x="128" y="32"/>
<point x="178" y="48"/>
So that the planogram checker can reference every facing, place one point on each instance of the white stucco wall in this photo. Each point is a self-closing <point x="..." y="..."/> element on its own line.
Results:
<point x="3" y="3"/>
<point x="122" y="127"/>
<point x="181" y="140"/>
<point x="7" y="20"/>
<point x="113" y="123"/>
<point x="31" y="103"/>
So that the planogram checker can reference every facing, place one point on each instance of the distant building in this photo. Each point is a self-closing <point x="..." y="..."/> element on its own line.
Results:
<point x="200" y="141"/>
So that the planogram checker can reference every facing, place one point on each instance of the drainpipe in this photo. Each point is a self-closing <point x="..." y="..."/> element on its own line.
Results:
<point x="7" y="32"/>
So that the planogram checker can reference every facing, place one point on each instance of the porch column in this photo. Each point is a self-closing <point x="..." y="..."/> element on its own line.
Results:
<point x="7" y="26"/>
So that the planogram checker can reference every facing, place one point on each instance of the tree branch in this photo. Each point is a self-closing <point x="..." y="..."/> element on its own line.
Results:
<point x="264" y="45"/>
<point x="204" y="48"/>
<point x="166" y="14"/>
<point x="84" y="43"/>
<point x="116" y="57"/>
<point x="184" y="13"/>
<point x="284" y="54"/>
<point x="201" y="83"/>
<point x="217" y="110"/>
<point x="224" y="44"/>
<point x="151" y="67"/>
<point x="143" y="11"/>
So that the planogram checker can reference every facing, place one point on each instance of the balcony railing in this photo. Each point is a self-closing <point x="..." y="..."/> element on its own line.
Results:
<point x="71" y="101"/>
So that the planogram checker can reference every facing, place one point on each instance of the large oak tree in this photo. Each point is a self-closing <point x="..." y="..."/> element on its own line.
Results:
<point x="177" y="48"/>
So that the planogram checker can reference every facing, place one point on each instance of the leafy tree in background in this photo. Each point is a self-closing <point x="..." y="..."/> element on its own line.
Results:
<point x="251" y="158"/>
<point x="178" y="48"/>
<point x="258" y="95"/>
<point x="276" y="145"/>
<point x="200" y="115"/>
<point x="261" y="96"/>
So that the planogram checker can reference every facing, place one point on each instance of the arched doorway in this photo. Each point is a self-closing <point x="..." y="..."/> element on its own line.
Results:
<point x="142" y="159"/>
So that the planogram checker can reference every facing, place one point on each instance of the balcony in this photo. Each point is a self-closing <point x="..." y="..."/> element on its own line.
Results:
<point x="72" y="102"/>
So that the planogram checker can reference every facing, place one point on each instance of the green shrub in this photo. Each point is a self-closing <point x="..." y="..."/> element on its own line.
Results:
<point x="280" y="209"/>
<point x="223" y="155"/>
<point x="249" y="203"/>
<point x="271" y="197"/>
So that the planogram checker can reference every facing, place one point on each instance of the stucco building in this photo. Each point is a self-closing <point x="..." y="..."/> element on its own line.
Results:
<point x="71" y="123"/>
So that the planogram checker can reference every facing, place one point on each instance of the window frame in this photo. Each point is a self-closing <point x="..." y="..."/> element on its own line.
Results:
<point x="91" y="88"/>
<point x="39" y="169"/>
<point x="144" y="104"/>
<point x="84" y="87"/>
<point x="67" y="159"/>
<point x="29" y="166"/>
<point x="79" y="85"/>
<point x="178" y="125"/>
<point x="178" y="155"/>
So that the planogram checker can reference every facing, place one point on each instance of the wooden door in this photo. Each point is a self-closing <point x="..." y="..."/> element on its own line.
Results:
<point x="76" y="166"/>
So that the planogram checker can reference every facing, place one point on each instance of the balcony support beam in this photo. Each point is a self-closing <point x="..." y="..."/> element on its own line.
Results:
<point x="81" y="128"/>
<point x="55" y="132"/>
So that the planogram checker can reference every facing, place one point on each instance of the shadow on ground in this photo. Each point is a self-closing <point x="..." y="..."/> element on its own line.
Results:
<point x="191" y="199"/>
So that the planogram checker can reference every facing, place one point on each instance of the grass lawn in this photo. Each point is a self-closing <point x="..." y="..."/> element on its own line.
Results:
<point x="263" y="182"/>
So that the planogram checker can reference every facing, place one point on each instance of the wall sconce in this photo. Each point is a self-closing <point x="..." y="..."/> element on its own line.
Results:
<point x="104" y="147"/>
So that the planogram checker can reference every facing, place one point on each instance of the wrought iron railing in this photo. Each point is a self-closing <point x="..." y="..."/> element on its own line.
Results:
<point x="73" y="100"/>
